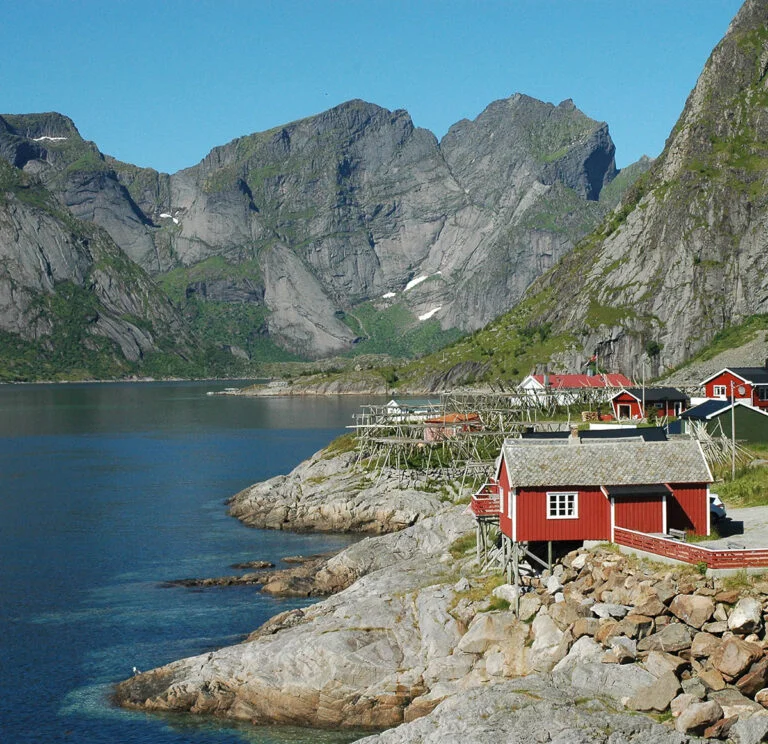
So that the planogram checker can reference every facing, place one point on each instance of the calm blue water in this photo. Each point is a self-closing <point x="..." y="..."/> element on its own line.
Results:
<point x="106" y="491"/>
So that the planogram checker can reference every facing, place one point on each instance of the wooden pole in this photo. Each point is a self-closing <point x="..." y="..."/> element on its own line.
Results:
<point x="733" y="434"/>
<point x="516" y="572"/>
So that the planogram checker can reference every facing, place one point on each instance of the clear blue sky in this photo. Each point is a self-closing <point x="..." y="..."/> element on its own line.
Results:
<point x="159" y="83"/>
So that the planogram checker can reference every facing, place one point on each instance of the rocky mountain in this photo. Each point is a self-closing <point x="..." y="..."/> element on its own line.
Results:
<point x="679" y="270"/>
<point x="71" y="302"/>
<point x="352" y="227"/>
<point x="684" y="257"/>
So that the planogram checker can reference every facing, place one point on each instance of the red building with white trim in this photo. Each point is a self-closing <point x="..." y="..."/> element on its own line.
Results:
<point x="664" y="401"/>
<point x="574" y="382"/>
<point x="581" y="490"/>
<point x="745" y="384"/>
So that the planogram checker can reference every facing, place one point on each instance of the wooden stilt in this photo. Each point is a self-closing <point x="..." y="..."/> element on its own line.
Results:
<point x="549" y="555"/>
<point x="516" y="574"/>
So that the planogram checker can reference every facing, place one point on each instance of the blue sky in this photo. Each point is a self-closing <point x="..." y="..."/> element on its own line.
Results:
<point x="159" y="83"/>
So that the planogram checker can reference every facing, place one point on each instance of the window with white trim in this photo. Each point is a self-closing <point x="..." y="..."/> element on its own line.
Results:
<point x="719" y="390"/>
<point x="762" y="392"/>
<point x="562" y="505"/>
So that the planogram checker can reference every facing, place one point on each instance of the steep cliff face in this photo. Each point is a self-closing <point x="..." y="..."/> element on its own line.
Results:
<point x="69" y="298"/>
<point x="49" y="147"/>
<point x="685" y="255"/>
<point x="356" y="205"/>
<point x="327" y="224"/>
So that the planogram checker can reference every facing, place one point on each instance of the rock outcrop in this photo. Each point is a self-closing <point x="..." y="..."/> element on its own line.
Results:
<point x="327" y="493"/>
<point x="602" y="636"/>
<point x="361" y="658"/>
<point x="530" y="709"/>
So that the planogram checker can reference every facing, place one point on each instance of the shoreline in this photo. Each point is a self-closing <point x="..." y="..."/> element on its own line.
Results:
<point x="415" y="636"/>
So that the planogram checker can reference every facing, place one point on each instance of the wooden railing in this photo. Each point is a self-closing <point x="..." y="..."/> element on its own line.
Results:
<point x="688" y="553"/>
<point x="486" y="502"/>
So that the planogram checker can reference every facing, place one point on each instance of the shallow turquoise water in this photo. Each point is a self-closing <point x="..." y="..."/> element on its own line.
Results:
<point x="105" y="492"/>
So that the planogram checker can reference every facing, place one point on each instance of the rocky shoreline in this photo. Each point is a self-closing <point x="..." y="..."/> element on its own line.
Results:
<point x="305" y="578"/>
<point x="330" y="493"/>
<point x="416" y="639"/>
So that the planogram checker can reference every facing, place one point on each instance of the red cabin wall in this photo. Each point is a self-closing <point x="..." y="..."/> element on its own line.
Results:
<point x="641" y="513"/>
<point x="626" y="399"/>
<point x="688" y="507"/>
<point x="593" y="522"/>
<point x="726" y="379"/>
<point x="505" y="523"/>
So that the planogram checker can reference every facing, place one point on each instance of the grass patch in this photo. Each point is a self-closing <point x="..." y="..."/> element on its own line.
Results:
<point x="749" y="488"/>
<point x="739" y="581"/>
<point x="714" y="535"/>
<point x="344" y="443"/>
<point x="461" y="546"/>
<point x="497" y="603"/>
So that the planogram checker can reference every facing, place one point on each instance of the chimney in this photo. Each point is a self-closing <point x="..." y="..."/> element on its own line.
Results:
<point x="574" y="437"/>
<point x="546" y="375"/>
<point x="766" y="363"/>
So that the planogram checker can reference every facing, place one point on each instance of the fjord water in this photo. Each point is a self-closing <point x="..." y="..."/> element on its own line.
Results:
<point x="106" y="491"/>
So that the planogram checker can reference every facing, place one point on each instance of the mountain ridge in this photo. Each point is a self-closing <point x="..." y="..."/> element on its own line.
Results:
<point x="681" y="259"/>
<point x="298" y="234"/>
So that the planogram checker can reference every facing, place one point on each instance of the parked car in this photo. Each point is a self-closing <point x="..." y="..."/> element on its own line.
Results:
<point x="716" y="508"/>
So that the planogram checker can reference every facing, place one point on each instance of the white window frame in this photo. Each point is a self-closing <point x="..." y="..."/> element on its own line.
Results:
<point x="762" y="392"/>
<point x="561" y="498"/>
<point x="718" y="390"/>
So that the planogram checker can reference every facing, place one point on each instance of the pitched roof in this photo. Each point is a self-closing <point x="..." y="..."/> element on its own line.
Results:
<point x="757" y="375"/>
<point x="454" y="418"/>
<point x="570" y="382"/>
<point x="754" y="375"/>
<point x="649" y="433"/>
<point x="706" y="410"/>
<point x="711" y="408"/>
<point x="605" y="463"/>
<point x="655" y="394"/>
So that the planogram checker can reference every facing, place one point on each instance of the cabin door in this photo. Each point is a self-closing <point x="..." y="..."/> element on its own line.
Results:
<point x="625" y="410"/>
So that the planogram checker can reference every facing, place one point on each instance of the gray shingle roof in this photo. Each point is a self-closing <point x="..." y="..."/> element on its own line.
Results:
<point x="757" y="375"/>
<point x="606" y="463"/>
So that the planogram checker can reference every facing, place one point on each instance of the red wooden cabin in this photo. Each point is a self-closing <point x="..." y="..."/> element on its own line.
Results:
<point x="664" y="401"/>
<point x="745" y="384"/>
<point x="582" y="490"/>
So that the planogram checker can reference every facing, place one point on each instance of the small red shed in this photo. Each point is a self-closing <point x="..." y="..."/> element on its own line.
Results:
<point x="664" y="401"/>
<point x="582" y="489"/>
<point x="745" y="384"/>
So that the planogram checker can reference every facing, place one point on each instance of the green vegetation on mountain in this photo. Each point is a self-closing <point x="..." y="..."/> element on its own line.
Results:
<point x="395" y="331"/>
<point x="505" y="350"/>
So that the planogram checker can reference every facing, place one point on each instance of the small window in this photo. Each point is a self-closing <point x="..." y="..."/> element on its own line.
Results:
<point x="762" y="392"/>
<point x="718" y="390"/>
<point x="562" y="505"/>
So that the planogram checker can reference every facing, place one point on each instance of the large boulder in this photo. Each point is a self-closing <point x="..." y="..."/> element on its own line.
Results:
<point x="698" y="716"/>
<point x="734" y="703"/>
<point x="550" y="644"/>
<point x="755" y="679"/>
<point x="692" y="609"/>
<point x="672" y="638"/>
<point x="747" y="616"/>
<point x="734" y="656"/>
<point x="656" y="696"/>
<point x="490" y="629"/>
